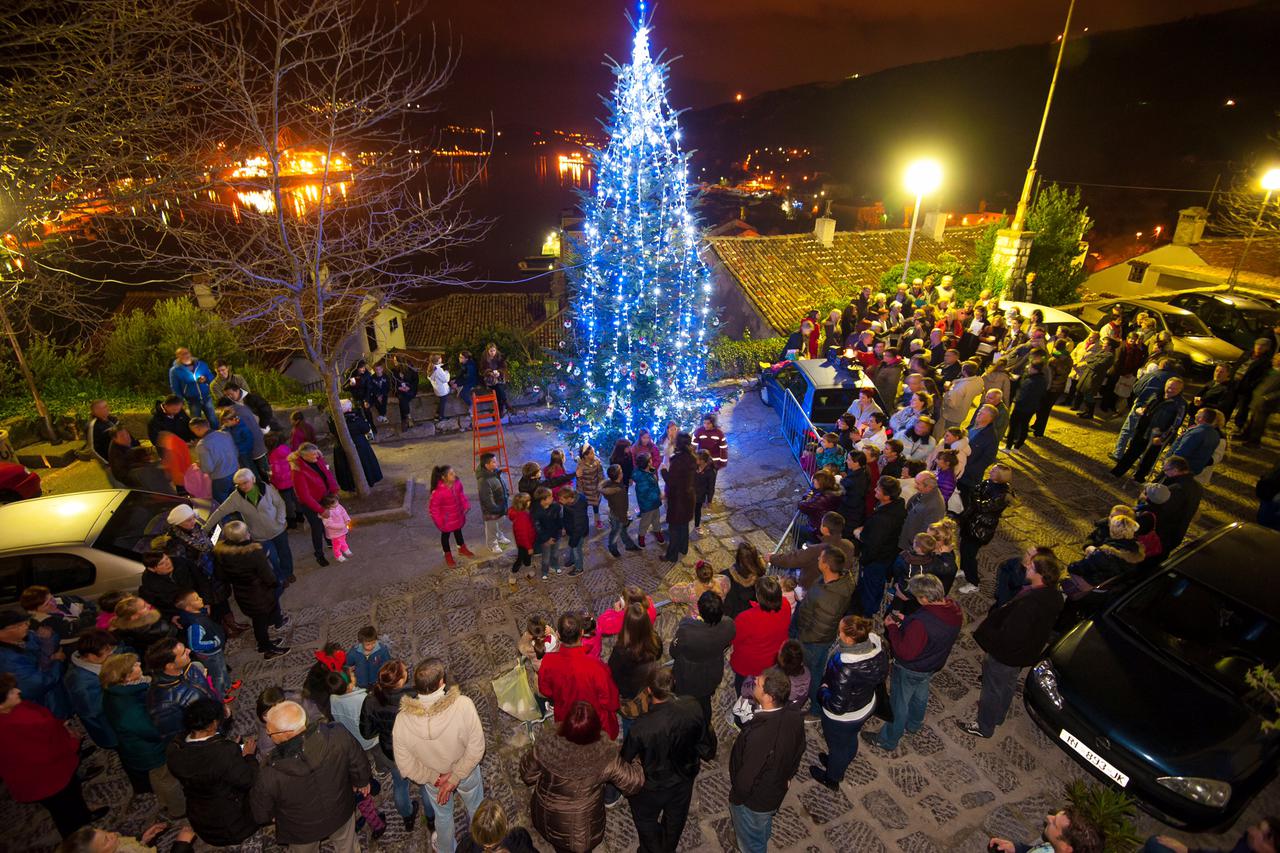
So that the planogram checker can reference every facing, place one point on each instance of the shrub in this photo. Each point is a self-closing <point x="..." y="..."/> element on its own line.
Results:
<point x="893" y="276"/>
<point x="274" y="386"/>
<point x="731" y="358"/>
<point x="138" y="352"/>
<point x="1112" y="810"/>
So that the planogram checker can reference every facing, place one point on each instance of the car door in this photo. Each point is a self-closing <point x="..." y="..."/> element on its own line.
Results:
<point x="13" y="579"/>
<point x="61" y="572"/>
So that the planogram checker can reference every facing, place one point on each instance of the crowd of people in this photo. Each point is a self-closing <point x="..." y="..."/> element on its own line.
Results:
<point x="906" y="492"/>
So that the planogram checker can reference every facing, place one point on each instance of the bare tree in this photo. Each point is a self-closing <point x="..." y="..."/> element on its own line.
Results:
<point x="312" y="104"/>
<point x="85" y="92"/>
<point x="1245" y="210"/>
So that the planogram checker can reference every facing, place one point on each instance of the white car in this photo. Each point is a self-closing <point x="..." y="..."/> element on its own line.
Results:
<point x="1054" y="318"/>
<point x="85" y="543"/>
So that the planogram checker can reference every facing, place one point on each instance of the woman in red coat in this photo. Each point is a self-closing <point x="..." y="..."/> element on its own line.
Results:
<point x="760" y="632"/>
<point x="39" y="759"/>
<point x="312" y="480"/>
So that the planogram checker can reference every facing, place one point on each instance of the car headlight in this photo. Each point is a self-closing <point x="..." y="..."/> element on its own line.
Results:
<point x="1207" y="792"/>
<point x="1046" y="679"/>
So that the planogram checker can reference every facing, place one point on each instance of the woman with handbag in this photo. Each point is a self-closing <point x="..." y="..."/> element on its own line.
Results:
<point x="634" y="656"/>
<point x="857" y="666"/>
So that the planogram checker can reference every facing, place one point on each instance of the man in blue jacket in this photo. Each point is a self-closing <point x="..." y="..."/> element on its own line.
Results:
<point x="1147" y="390"/>
<point x="983" y="448"/>
<point x="176" y="682"/>
<point x="83" y="684"/>
<point x="38" y="665"/>
<point x="189" y="378"/>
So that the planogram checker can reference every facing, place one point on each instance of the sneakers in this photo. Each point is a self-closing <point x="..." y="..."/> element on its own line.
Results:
<point x="347" y="552"/>
<point x="382" y="419"/>
<point x="502" y="538"/>
<point x="341" y="558"/>
<point x="639" y="539"/>
<point x="662" y="540"/>
<point x="276" y="652"/>
<point x="465" y="551"/>
<point x="449" y="560"/>
<point x="283" y="623"/>
<point x="558" y="570"/>
<point x="971" y="727"/>
<point x="966" y="588"/>
<point x="871" y="738"/>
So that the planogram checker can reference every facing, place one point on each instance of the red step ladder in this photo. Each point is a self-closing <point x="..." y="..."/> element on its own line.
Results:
<point x="487" y="435"/>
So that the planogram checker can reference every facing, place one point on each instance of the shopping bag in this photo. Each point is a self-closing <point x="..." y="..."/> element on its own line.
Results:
<point x="197" y="483"/>
<point x="515" y="695"/>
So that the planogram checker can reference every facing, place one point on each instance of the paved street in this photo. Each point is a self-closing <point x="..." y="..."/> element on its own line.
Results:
<point x="942" y="790"/>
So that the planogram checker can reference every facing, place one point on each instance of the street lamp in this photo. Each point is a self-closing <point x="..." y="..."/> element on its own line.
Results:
<point x="1270" y="182"/>
<point x="923" y="176"/>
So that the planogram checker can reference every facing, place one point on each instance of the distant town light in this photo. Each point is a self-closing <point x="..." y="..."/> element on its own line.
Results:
<point x="1231" y="102"/>
<point x="1138" y="235"/>
<point x="738" y="97"/>
<point x="1157" y="230"/>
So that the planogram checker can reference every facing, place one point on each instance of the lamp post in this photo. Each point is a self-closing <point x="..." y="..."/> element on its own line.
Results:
<point x="1270" y="182"/>
<point x="923" y="176"/>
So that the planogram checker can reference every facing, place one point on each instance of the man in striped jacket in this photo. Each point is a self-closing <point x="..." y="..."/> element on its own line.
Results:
<point x="710" y="437"/>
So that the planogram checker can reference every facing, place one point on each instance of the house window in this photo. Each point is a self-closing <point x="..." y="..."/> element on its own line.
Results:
<point x="394" y="324"/>
<point x="1138" y="270"/>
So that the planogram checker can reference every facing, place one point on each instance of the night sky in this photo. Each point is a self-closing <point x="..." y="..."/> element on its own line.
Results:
<point x="539" y="61"/>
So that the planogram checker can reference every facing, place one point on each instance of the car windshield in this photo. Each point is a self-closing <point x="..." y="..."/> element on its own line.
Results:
<point x="1185" y="325"/>
<point x="1211" y="633"/>
<point x="141" y="517"/>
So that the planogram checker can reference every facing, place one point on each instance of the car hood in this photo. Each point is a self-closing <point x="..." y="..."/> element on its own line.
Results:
<point x="1152" y="707"/>
<point x="1215" y="348"/>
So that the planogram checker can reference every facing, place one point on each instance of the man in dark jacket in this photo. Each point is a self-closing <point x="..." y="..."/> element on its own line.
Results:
<point x="1175" y="517"/>
<point x="669" y="742"/>
<point x="1249" y="373"/>
<point x="879" y="541"/>
<point x="921" y="643"/>
<point x="168" y="416"/>
<point x="216" y="775"/>
<point x="765" y="756"/>
<point x="853" y="506"/>
<point x="308" y="787"/>
<point x="817" y="618"/>
<point x="37" y="665"/>
<point x="261" y="409"/>
<point x="805" y="560"/>
<point x="176" y="682"/>
<point x="697" y="654"/>
<point x="1146" y="391"/>
<point x="983" y="447"/>
<point x="679" y="476"/>
<point x="1155" y="428"/>
<point x="161" y="582"/>
<point x="1031" y="391"/>
<point x="1014" y="635"/>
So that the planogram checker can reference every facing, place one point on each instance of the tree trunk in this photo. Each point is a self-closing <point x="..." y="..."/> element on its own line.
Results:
<point x="333" y="388"/>
<point x="27" y="375"/>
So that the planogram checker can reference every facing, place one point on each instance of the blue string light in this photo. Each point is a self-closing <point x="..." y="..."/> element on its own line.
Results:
<point x="641" y="297"/>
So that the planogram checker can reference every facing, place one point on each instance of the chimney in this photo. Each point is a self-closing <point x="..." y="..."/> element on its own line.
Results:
<point x="935" y="223"/>
<point x="1190" y="228"/>
<point x="824" y="229"/>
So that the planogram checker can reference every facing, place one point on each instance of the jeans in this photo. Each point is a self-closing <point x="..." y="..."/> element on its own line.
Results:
<point x="1126" y="431"/>
<point x="216" y="664"/>
<point x="404" y="400"/>
<point x="679" y="544"/>
<point x="870" y="591"/>
<point x="752" y="828"/>
<point x="998" y="683"/>
<point x="842" y="745"/>
<point x="1019" y="426"/>
<point x="471" y="791"/>
<point x="573" y="555"/>
<point x="550" y="555"/>
<point x="969" y="548"/>
<point x="618" y="530"/>
<point x="203" y="409"/>
<point x="908" y="696"/>
<point x="404" y="797"/>
<point x="222" y="488"/>
<point x="316" y="523"/>
<point x="1144" y="452"/>
<point x="464" y="394"/>
<point x="344" y="840"/>
<point x="660" y="816"/>
<point x="281" y="557"/>
<point x="815" y="659"/>
<point x="1045" y="410"/>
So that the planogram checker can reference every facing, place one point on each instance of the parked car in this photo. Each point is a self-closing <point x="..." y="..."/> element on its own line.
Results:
<point x="1054" y="319"/>
<point x="84" y="543"/>
<point x="1193" y="344"/>
<point x="17" y="483"/>
<point x="824" y="389"/>
<point x="1235" y="318"/>
<point x="1149" y="693"/>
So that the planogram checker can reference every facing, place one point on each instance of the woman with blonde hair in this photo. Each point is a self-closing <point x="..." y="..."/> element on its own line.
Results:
<point x="141" y="747"/>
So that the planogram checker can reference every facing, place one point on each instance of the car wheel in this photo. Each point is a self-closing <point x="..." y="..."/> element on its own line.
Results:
<point x="8" y="496"/>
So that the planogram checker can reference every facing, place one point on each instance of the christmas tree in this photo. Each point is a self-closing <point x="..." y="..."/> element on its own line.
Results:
<point x="641" y="294"/>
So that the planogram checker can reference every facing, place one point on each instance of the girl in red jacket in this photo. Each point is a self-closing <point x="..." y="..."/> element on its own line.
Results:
<point x="522" y="528"/>
<point x="448" y="508"/>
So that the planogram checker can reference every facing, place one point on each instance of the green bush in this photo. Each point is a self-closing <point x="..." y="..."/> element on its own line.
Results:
<point x="1111" y="810"/>
<point x="729" y="358"/>
<point x="526" y="364"/>
<point x="277" y="388"/>
<point x="893" y="276"/>
<point x="139" y="351"/>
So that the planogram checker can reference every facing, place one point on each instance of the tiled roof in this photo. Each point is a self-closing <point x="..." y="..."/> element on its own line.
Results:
<point x="785" y="277"/>
<point x="436" y="324"/>
<point x="1263" y="257"/>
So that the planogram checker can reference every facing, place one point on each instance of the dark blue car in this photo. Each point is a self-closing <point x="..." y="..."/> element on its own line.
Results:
<point x="1150" y="693"/>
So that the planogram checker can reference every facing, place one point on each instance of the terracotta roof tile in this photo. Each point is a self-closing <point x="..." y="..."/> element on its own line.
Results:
<point x="436" y="324"/>
<point x="1263" y="257"/>
<point x="784" y="277"/>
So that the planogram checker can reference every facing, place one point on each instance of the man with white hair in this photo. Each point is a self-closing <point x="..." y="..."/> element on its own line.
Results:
<point x="925" y="507"/>
<point x="262" y="508"/>
<point x="309" y="784"/>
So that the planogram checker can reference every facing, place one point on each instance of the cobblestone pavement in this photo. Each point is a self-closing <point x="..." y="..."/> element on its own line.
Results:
<point x="941" y="790"/>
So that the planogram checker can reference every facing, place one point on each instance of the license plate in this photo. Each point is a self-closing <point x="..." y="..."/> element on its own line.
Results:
<point x="1093" y="758"/>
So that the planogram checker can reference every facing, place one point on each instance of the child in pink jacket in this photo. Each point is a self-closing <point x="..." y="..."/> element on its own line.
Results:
<point x="448" y="507"/>
<point x="337" y="522"/>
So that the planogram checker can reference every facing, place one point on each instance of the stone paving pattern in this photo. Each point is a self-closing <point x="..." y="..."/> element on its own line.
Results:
<point x="940" y="790"/>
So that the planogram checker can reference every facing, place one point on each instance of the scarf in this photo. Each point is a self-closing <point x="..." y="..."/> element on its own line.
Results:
<point x="194" y="538"/>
